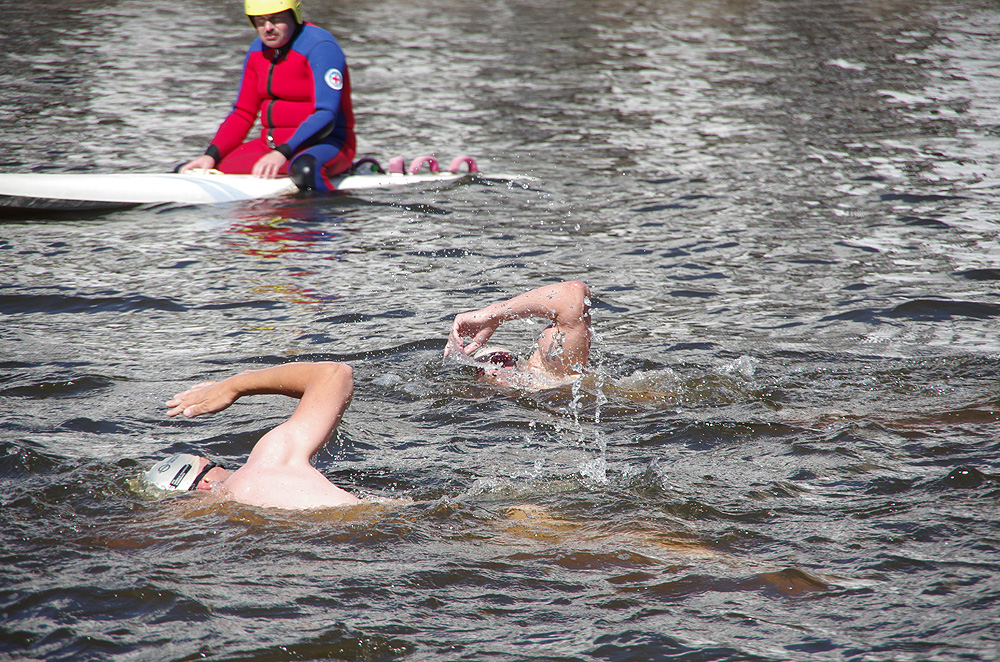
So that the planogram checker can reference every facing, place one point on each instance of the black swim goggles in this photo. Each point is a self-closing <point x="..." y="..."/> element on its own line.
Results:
<point x="197" y="479"/>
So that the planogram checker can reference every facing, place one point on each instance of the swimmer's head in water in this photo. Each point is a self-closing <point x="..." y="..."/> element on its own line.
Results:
<point x="181" y="472"/>
<point x="494" y="357"/>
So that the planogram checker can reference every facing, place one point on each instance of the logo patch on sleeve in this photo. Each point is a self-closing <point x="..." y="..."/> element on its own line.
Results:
<point x="334" y="79"/>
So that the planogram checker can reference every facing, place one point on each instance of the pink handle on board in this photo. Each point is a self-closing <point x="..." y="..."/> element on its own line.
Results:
<point x="420" y="161"/>
<point x="457" y="162"/>
<point x="397" y="166"/>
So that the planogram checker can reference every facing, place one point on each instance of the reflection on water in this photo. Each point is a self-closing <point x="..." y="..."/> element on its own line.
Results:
<point x="785" y="447"/>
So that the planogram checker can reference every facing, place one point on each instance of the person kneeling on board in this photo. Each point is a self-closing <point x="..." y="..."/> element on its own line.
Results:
<point x="295" y="78"/>
<point x="563" y="347"/>
<point x="278" y="472"/>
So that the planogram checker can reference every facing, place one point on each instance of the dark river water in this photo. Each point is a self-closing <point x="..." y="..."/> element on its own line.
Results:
<point x="788" y="446"/>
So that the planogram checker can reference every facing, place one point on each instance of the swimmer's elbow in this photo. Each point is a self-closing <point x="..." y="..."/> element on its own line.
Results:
<point x="578" y="288"/>
<point x="338" y="374"/>
<point x="577" y="297"/>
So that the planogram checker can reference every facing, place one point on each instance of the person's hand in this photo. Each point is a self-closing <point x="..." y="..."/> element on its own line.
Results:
<point x="203" y="398"/>
<point x="477" y="324"/>
<point x="203" y="162"/>
<point x="267" y="166"/>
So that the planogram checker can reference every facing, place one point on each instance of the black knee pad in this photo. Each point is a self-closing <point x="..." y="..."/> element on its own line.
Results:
<point x="303" y="170"/>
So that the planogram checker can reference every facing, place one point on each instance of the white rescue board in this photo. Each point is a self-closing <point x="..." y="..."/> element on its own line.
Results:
<point x="91" y="191"/>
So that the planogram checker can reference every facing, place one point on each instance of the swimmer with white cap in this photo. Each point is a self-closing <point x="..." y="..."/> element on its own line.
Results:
<point x="563" y="347"/>
<point x="183" y="473"/>
<point x="278" y="472"/>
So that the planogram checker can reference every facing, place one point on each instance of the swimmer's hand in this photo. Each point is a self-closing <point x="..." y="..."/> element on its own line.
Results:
<point x="203" y="398"/>
<point x="479" y="324"/>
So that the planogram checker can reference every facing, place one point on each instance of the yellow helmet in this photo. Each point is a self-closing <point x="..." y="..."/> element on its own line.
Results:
<point x="267" y="7"/>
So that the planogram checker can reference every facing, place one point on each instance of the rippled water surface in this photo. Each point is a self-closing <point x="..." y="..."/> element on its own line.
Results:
<point x="788" y="446"/>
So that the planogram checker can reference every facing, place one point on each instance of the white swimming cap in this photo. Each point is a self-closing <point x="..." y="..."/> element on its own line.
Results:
<point x="177" y="472"/>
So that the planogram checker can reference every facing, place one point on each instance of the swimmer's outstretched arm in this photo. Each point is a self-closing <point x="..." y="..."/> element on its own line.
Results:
<point x="324" y="390"/>
<point x="563" y="347"/>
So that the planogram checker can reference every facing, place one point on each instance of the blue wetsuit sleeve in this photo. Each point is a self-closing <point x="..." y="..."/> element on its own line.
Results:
<point x="329" y="72"/>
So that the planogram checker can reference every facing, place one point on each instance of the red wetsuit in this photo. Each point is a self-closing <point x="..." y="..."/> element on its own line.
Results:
<point x="302" y="94"/>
